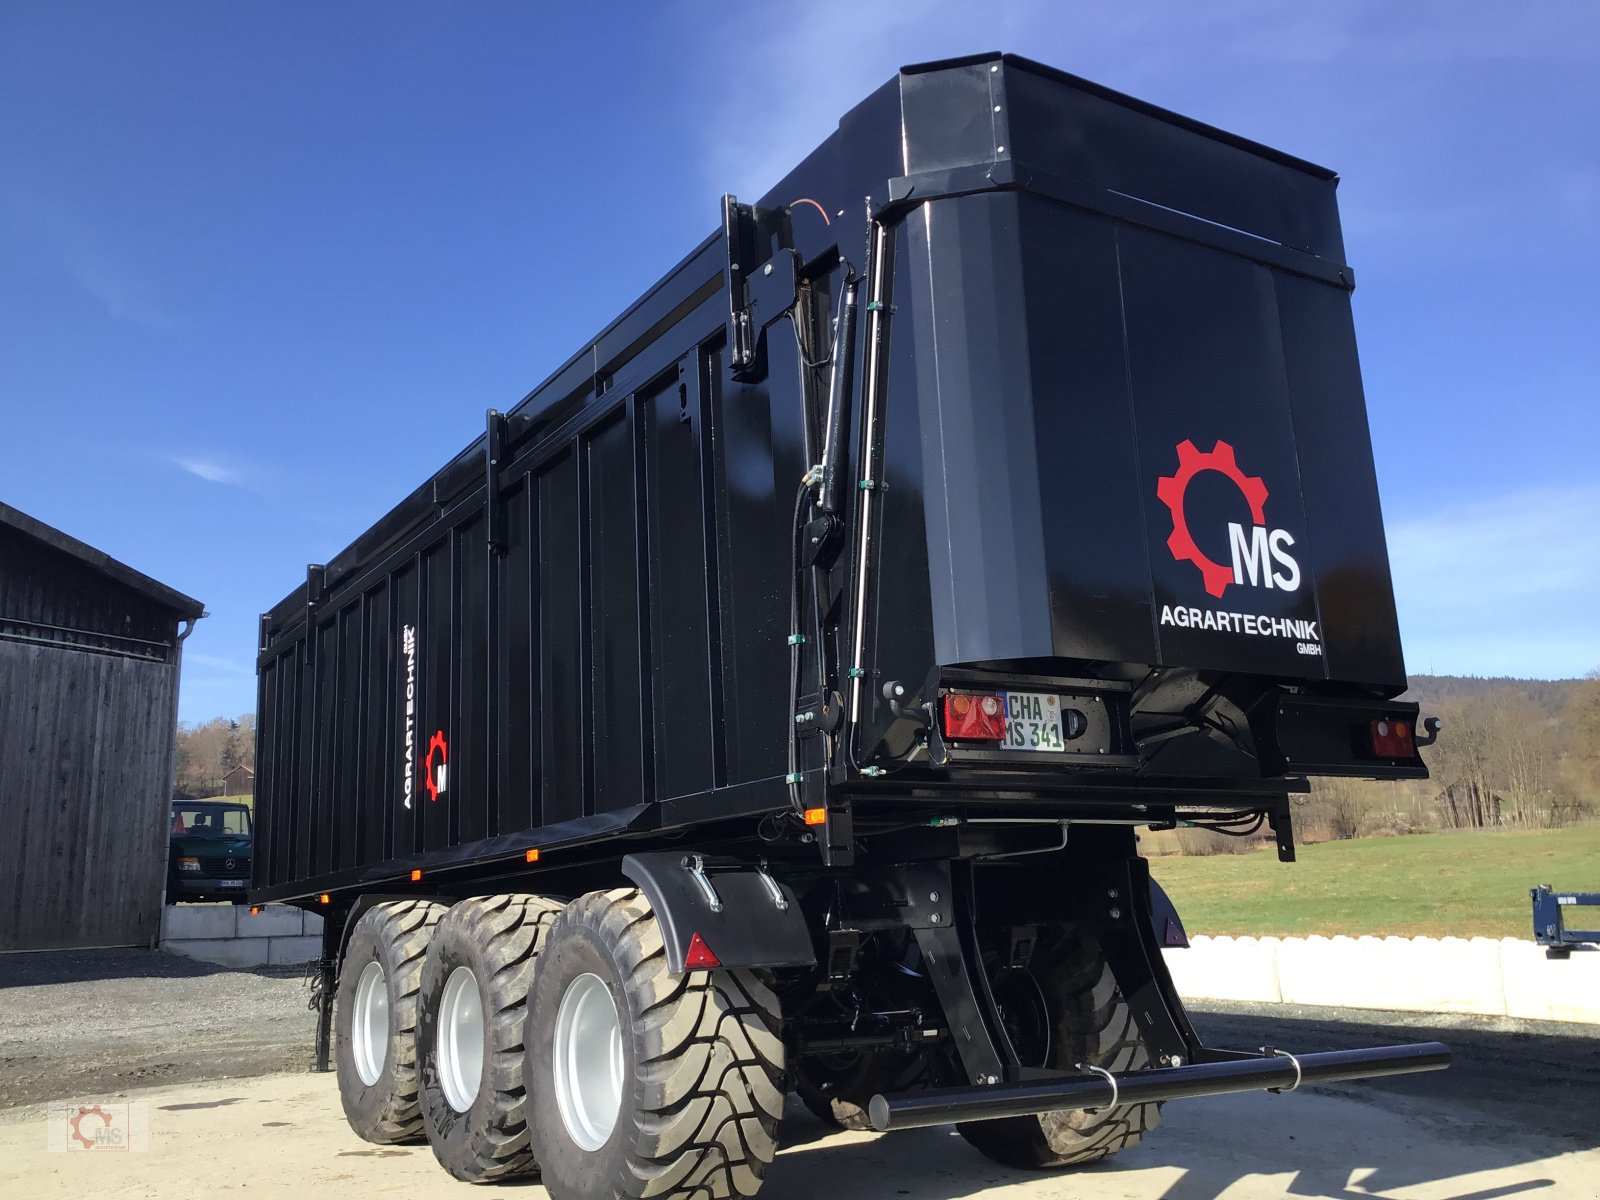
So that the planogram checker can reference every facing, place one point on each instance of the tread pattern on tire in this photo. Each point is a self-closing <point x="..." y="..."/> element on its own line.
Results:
<point x="1093" y="1025"/>
<point x="710" y="1061"/>
<point x="406" y="926"/>
<point x="510" y="930"/>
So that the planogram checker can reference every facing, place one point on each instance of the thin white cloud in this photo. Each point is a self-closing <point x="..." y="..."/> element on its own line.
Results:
<point x="100" y="271"/>
<point x="210" y="470"/>
<point x="784" y="113"/>
<point x="1504" y="585"/>
<point x="126" y="297"/>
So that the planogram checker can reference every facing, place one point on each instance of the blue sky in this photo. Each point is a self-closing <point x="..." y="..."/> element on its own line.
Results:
<point x="263" y="265"/>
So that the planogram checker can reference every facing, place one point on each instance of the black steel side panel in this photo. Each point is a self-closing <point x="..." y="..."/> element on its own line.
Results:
<point x="625" y="644"/>
<point x="588" y="635"/>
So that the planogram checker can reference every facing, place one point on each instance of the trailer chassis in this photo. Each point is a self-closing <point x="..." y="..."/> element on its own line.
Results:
<point x="1113" y="897"/>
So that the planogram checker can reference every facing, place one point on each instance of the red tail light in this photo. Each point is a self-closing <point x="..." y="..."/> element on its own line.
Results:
<point x="1393" y="739"/>
<point x="974" y="718"/>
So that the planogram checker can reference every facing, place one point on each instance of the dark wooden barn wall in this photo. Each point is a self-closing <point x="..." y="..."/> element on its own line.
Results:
<point x="86" y="744"/>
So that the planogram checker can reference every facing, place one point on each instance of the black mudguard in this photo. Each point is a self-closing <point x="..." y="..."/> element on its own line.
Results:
<point x="1164" y="919"/>
<point x="754" y="920"/>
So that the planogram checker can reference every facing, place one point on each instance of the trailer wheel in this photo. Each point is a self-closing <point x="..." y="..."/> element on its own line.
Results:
<point x="644" y="1083"/>
<point x="470" y="1034"/>
<point x="375" y="1020"/>
<point x="1084" y="1020"/>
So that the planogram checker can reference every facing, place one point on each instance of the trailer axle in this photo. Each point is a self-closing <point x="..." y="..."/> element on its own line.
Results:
<point x="1277" y="1071"/>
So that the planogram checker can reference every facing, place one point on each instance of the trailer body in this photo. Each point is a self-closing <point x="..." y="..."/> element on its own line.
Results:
<point x="584" y="615"/>
<point x="998" y="483"/>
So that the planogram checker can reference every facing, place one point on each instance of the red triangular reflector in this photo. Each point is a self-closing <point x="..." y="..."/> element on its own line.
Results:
<point x="699" y="956"/>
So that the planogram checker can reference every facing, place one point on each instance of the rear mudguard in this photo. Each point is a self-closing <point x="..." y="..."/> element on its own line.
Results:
<point x="1164" y="919"/>
<point x="737" y="914"/>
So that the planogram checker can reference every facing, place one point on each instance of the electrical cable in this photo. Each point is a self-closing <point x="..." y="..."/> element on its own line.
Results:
<point x="796" y="639"/>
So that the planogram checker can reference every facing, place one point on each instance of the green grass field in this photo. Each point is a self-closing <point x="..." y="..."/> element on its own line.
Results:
<point x="1441" y="885"/>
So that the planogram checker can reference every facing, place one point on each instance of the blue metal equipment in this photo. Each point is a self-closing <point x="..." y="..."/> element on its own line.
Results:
<point x="1551" y="912"/>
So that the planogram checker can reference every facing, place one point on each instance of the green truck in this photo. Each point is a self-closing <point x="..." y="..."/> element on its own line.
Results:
<point x="209" y="847"/>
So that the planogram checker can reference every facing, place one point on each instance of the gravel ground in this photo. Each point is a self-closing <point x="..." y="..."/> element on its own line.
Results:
<point x="1539" y="1078"/>
<point x="97" y="1021"/>
<point x="1514" y="1116"/>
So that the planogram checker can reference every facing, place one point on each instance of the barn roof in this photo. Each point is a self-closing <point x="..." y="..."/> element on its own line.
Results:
<point x="185" y="606"/>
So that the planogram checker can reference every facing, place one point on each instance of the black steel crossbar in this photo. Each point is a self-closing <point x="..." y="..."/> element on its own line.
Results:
<point x="913" y="1110"/>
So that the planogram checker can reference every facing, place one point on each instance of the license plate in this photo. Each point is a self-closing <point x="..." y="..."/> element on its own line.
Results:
<point x="232" y="882"/>
<point x="1033" y="722"/>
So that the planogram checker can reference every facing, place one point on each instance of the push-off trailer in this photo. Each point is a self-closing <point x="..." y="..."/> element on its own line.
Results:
<point x="769" y="700"/>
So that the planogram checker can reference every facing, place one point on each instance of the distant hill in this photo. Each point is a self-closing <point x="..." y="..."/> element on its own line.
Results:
<point x="1551" y="695"/>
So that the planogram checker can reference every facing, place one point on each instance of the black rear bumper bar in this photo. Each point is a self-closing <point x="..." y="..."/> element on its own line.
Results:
<point x="1277" y="1072"/>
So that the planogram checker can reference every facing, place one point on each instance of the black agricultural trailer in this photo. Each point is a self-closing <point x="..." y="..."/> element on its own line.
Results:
<point x="769" y="700"/>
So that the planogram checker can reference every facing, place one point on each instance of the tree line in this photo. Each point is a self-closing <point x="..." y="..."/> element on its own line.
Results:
<point x="1512" y="754"/>
<point x="208" y="750"/>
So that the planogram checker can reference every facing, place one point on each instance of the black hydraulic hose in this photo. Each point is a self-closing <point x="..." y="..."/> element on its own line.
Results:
<point x="839" y="395"/>
<point x="796" y="640"/>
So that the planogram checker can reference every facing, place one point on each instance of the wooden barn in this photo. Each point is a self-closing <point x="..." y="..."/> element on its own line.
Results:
<point x="89" y="656"/>
<point x="241" y="781"/>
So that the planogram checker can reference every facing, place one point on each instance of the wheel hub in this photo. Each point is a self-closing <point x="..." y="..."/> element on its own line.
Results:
<point x="369" y="1023"/>
<point x="588" y="1062"/>
<point x="460" y="1051"/>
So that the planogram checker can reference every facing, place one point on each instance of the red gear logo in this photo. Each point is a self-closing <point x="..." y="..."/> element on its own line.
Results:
<point x="77" y="1122"/>
<point x="1170" y="490"/>
<point x="430" y="774"/>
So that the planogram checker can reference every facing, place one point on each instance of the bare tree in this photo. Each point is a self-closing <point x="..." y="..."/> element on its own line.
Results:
<point x="1339" y="805"/>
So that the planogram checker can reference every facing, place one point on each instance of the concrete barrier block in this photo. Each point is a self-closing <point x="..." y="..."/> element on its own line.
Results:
<point x="186" y="921"/>
<point x="288" y="951"/>
<point x="1478" y="975"/>
<point x="1546" y="989"/>
<point x="1226" y="968"/>
<point x="1403" y="974"/>
<point x="311" y="924"/>
<point x="274" y="920"/>
<point x="225" y="952"/>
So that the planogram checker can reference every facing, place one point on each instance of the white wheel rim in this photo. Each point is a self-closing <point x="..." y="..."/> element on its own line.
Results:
<point x="588" y="1062"/>
<point x="369" y="1023"/>
<point x="461" y="1039"/>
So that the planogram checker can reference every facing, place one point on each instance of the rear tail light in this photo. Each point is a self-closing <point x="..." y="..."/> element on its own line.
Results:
<point x="1393" y="739"/>
<point x="970" y="717"/>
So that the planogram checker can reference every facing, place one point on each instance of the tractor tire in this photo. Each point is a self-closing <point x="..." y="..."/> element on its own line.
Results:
<point x="836" y="1088"/>
<point x="471" y="1015"/>
<point x="645" y="1083"/>
<point x="375" y="1020"/>
<point x="1089" y="1022"/>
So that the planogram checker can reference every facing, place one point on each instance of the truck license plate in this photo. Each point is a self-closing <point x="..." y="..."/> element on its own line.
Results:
<point x="232" y="882"/>
<point x="1033" y="722"/>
